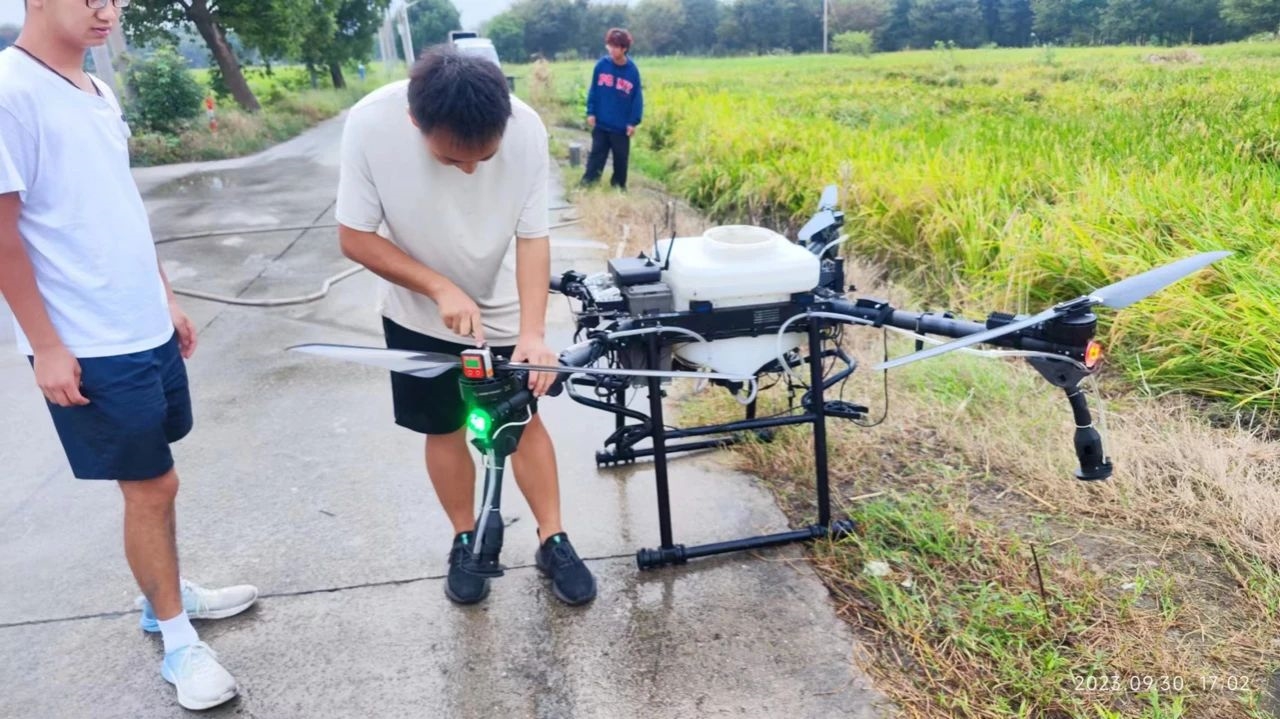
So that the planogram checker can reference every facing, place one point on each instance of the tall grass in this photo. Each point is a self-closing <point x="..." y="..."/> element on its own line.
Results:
<point x="1010" y="180"/>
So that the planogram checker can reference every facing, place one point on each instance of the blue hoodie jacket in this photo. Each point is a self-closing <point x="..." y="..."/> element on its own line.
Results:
<point x="615" y="97"/>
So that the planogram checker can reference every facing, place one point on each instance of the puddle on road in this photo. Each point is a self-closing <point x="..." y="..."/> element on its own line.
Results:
<point x="282" y="174"/>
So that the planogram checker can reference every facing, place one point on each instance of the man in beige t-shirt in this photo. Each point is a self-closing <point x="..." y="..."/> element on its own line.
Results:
<point x="443" y="195"/>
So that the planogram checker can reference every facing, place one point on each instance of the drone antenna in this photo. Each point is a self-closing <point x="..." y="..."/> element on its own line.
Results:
<point x="670" y="250"/>
<point x="657" y="252"/>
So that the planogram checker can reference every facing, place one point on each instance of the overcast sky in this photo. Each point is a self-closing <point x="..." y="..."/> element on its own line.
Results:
<point x="11" y="12"/>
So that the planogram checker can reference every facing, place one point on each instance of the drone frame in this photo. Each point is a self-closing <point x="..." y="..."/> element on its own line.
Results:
<point x="1058" y="342"/>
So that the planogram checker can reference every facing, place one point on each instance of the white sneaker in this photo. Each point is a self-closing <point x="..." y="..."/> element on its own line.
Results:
<point x="201" y="603"/>
<point x="201" y="681"/>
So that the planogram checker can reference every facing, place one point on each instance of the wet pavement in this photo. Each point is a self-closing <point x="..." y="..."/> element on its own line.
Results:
<point x="295" y="479"/>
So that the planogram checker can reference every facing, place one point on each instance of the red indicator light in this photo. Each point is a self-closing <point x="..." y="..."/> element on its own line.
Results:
<point x="1092" y="354"/>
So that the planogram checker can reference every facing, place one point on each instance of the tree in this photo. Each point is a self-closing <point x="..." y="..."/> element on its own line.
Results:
<point x="270" y="26"/>
<point x="506" y="32"/>
<point x="315" y="36"/>
<point x="661" y="24"/>
<point x="1067" y="21"/>
<point x="896" y="34"/>
<point x="767" y="25"/>
<point x="1171" y="21"/>
<point x="702" y="17"/>
<point x="859" y="15"/>
<point x="554" y="26"/>
<point x="355" y="24"/>
<point x="1252" y="16"/>
<point x="430" y="22"/>
<point x="595" y="20"/>
<point x="1015" y="22"/>
<point x="958" y="21"/>
<point x="8" y="34"/>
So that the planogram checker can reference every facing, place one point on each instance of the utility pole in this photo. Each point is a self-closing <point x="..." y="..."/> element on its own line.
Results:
<point x="824" y="26"/>
<point x="406" y="35"/>
<point x="104" y="57"/>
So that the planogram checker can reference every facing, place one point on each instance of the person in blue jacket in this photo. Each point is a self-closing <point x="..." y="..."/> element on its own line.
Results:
<point x="615" y="106"/>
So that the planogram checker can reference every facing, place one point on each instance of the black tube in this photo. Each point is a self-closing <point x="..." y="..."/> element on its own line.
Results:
<point x="659" y="446"/>
<point x="632" y="454"/>
<point x="512" y="405"/>
<point x="579" y="355"/>
<point x="654" y="558"/>
<point x="818" y="409"/>
<point x="740" y="426"/>
<point x="933" y="324"/>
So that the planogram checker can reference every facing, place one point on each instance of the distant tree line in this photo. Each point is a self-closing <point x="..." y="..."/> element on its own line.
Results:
<point x="575" y="28"/>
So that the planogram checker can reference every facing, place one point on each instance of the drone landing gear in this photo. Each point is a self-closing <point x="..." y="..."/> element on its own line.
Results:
<point x="817" y="409"/>
<point x="489" y="525"/>
<point x="496" y="404"/>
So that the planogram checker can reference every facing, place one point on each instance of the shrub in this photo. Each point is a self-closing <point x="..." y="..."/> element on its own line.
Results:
<point x="853" y="43"/>
<point x="165" y="95"/>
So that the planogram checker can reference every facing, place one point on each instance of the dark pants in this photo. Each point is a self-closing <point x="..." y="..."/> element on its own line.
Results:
<point x="139" y="404"/>
<point x="602" y="143"/>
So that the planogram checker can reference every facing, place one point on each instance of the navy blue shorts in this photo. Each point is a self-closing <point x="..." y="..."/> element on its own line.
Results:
<point x="429" y="405"/>
<point x="138" y="404"/>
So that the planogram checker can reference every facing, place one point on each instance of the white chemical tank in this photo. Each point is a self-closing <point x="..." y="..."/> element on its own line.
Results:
<point x="731" y="266"/>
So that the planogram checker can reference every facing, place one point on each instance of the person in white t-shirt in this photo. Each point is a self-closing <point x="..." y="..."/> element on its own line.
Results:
<point x="94" y="314"/>
<point x="443" y="194"/>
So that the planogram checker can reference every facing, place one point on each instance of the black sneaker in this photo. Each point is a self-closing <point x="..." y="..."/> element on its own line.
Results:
<point x="571" y="581"/>
<point x="463" y="587"/>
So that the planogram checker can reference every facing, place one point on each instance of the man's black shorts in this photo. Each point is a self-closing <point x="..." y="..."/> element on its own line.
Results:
<point x="429" y="405"/>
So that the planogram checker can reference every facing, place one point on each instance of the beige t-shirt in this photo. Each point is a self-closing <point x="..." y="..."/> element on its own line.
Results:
<point x="462" y="226"/>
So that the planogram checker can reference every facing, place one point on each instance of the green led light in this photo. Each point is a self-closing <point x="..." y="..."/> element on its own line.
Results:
<point x="479" y="421"/>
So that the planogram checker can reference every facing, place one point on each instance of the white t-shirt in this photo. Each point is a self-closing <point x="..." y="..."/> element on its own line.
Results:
<point x="462" y="226"/>
<point x="66" y="153"/>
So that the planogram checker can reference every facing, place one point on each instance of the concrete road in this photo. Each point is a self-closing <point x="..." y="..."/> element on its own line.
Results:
<point x="297" y="480"/>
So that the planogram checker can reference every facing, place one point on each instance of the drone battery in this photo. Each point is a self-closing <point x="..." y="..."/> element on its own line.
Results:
<point x="649" y="299"/>
<point x="634" y="271"/>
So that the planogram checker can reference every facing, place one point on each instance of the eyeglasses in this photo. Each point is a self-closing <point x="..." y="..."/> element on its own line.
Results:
<point x="100" y="4"/>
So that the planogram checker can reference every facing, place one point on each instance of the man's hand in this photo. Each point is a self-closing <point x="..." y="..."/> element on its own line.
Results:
<point x="186" y="330"/>
<point x="534" y="350"/>
<point x="631" y="130"/>
<point x="460" y="313"/>
<point x="58" y="375"/>
<point x="591" y="121"/>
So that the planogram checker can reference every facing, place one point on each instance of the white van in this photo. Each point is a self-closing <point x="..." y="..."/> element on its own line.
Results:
<point x="480" y="46"/>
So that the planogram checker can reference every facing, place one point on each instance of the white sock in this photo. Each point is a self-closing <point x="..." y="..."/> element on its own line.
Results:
<point x="178" y="632"/>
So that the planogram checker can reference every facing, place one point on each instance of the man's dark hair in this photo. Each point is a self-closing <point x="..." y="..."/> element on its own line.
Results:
<point x="465" y="95"/>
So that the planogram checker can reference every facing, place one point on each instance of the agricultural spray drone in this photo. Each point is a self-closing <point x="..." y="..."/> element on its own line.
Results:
<point x="733" y="306"/>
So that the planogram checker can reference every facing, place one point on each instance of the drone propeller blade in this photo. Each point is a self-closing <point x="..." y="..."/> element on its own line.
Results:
<point x="818" y="223"/>
<point x="830" y="196"/>
<point x="418" y="364"/>
<point x="628" y="372"/>
<point x="1116" y="296"/>
<point x="1126" y="292"/>
<point x="972" y="339"/>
